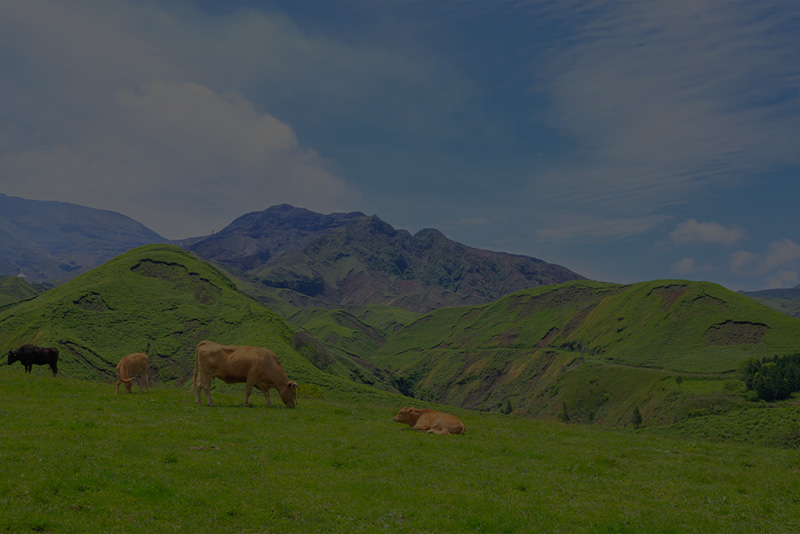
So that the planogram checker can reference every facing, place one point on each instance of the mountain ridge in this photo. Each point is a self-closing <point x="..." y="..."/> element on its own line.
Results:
<point x="52" y="241"/>
<point x="349" y="260"/>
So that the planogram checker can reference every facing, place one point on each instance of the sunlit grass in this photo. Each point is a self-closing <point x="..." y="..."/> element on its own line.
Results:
<point x="77" y="458"/>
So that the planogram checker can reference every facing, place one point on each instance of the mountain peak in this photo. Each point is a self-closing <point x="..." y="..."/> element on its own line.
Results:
<point x="351" y="259"/>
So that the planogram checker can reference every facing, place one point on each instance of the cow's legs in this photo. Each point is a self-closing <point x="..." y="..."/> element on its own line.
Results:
<point x="247" y="389"/>
<point x="200" y="384"/>
<point x="116" y="391"/>
<point x="266" y="396"/>
<point x="54" y="367"/>
<point x="146" y="383"/>
<point x="207" y="387"/>
<point x="28" y="368"/>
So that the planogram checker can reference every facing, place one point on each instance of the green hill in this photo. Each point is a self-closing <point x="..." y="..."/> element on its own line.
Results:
<point x="14" y="288"/>
<point x="160" y="300"/>
<point x="591" y="351"/>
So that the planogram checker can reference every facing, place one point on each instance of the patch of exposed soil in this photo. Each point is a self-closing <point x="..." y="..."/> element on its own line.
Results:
<point x="204" y="291"/>
<point x="548" y="337"/>
<point x="503" y="340"/>
<point x="557" y="298"/>
<point x="670" y="293"/>
<point x="735" y="333"/>
<point x="92" y="302"/>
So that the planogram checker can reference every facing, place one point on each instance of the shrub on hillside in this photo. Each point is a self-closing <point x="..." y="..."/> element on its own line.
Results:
<point x="773" y="378"/>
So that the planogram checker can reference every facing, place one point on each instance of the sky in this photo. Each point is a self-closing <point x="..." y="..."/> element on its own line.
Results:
<point x="627" y="140"/>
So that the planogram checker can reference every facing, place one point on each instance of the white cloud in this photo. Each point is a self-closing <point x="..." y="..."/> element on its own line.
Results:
<point x="669" y="101"/>
<point x="783" y="279"/>
<point x="183" y="156"/>
<point x="585" y="226"/>
<point x="688" y="266"/>
<point x="692" y="231"/>
<point x="780" y="263"/>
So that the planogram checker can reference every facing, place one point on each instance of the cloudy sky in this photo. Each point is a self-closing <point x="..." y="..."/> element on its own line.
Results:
<point x="627" y="140"/>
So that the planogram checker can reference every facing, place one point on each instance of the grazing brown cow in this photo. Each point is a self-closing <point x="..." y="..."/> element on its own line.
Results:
<point x="430" y="421"/>
<point x="30" y="355"/>
<point x="233" y="364"/>
<point x="130" y="366"/>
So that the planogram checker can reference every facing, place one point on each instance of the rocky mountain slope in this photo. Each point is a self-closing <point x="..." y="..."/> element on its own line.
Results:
<point x="46" y="241"/>
<point x="350" y="260"/>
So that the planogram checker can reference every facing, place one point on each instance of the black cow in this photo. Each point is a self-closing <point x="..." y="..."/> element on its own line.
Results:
<point x="31" y="354"/>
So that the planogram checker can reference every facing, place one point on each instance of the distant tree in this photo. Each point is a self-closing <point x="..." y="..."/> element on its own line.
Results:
<point x="636" y="418"/>
<point x="678" y="380"/>
<point x="507" y="409"/>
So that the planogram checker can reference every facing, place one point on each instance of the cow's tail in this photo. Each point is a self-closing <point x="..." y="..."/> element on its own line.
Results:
<point x="194" y="377"/>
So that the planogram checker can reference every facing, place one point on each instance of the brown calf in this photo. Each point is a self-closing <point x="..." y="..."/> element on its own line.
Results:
<point x="430" y="421"/>
<point x="130" y="366"/>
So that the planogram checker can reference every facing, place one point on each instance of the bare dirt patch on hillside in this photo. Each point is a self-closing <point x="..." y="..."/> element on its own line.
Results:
<point x="670" y="293"/>
<point x="204" y="291"/>
<point x="735" y="333"/>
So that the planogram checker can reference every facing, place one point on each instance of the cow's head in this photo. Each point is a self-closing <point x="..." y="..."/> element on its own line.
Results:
<point x="289" y="394"/>
<point x="12" y="357"/>
<point x="407" y="415"/>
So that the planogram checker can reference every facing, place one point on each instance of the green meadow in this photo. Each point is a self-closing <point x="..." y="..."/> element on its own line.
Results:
<point x="77" y="458"/>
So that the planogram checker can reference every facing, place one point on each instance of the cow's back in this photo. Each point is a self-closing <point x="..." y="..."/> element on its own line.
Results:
<point x="231" y="363"/>
<point x="434" y="420"/>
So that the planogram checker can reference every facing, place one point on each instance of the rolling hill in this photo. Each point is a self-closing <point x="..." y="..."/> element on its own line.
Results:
<point x="591" y="351"/>
<point x="15" y="288"/>
<point x="160" y="300"/>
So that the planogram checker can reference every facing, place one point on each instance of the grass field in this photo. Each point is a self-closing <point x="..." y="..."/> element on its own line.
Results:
<point x="77" y="458"/>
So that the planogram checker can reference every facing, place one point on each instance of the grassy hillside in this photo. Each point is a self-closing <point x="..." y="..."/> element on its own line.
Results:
<point x="160" y="300"/>
<point x="591" y="351"/>
<point x="14" y="288"/>
<point x="77" y="458"/>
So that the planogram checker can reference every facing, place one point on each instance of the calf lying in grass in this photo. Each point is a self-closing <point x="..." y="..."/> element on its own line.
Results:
<point x="430" y="421"/>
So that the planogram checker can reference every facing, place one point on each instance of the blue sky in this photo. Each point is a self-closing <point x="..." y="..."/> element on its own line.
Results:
<point x="626" y="140"/>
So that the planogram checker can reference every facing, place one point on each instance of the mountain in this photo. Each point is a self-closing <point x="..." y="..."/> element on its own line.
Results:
<point x="47" y="241"/>
<point x="256" y="238"/>
<point x="591" y="350"/>
<point x="350" y="260"/>
<point x="161" y="300"/>
<point x="783" y="300"/>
